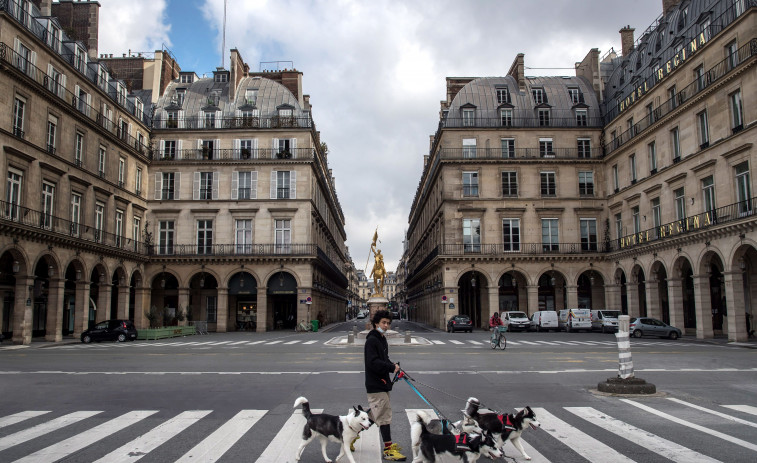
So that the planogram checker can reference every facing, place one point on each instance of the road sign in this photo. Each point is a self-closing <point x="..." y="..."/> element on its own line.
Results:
<point x="309" y="300"/>
<point x="444" y="299"/>
<point x="451" y="306"/>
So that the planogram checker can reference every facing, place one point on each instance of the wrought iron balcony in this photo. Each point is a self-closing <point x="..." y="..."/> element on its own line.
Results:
<point x="519" y="153"/>
<point x="185" y="250"/>
<point x="243" y="154"/>
<point x="216" y="123"/>
<point x="524" y="118"/>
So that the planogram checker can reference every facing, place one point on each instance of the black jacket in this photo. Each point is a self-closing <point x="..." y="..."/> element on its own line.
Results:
<point x="378" y="367"/>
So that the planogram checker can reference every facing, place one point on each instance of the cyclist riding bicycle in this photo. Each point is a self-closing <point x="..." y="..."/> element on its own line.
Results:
<point x="495" y="321"/>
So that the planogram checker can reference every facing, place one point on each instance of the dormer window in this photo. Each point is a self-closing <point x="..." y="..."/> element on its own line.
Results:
<point x="503" y="95"/>
<point x="81" y="59"/>
<point x="181" y="93"/>
<point x="222" y="77"/>
<point x="121" y="95"/>
<point x="187" y="78"/>
<point x="539" y="96"/>
<point x="575" y="96"/>
<point x="102" y="78"/>
<point x="469" y="117"/>
<point x="682" y="16"/>
<point x="251" y="96"/>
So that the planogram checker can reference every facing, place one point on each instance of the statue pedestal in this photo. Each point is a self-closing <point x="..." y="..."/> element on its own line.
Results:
<point x="375" y="304"/>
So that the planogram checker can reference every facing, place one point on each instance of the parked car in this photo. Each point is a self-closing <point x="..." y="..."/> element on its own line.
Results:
<point x="459" y="323"/>
<point x="605" y="320"/>
<point x="645" y="326"/>
<point x="110" y="330"/>
<point x="544" y="320"/>
<point x="362" y="314"/>
<point x="574" y="319"/>
<point x="395" y="314"/>
<point x="515" y="320"/>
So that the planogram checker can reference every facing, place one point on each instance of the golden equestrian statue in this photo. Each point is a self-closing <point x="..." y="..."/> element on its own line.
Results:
<point x="379" y="271"/>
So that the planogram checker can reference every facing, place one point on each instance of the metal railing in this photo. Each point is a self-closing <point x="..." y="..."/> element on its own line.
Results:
<point x="169" y="250"/>
<point x="519" y="248"/>
<point x="519" y="153"/>
<point x="216" y="123"/>
<point x="198" y="154"/>
<point x="524" y="119"/>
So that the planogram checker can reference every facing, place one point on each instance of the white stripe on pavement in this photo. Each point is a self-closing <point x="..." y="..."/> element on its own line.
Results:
<point x="19" y="417"/>
<point x="310" y="342"/>
<point x="455" y="341"/>
<point x="663" y="447"/>
<point x="436" y="341"/>
<point x="708" y="431"/>
<point x="273" y="342"/>
<point x="254" y="342"/>
<point x="716" y="413"/>
<point x="580" y="442"/>
<point x="151" y="440"/>
<point x="743" y="408"/>
<point x="475" y="342"/>
<point x="74" y="444"/>
<point x="238" y="342"/>
<point x="219" y="442"/>
<point x="287" y="440"/>
<point x="292" y="342"/>
<point x="528" y="342"/>
<point x="44" y="428"/>
<point x="218" y="343"/>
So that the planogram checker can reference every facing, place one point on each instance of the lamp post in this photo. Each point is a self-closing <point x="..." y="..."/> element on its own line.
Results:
<point x="473" y="309"/>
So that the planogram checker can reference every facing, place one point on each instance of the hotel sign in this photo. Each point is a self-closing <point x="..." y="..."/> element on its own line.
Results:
<point x="671" y="65"/>
<point x="671" y="229"/>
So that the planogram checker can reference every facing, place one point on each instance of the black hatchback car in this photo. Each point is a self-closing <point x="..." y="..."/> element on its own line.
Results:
<point x="459" y="323"/>
<point x="110" y="330"/>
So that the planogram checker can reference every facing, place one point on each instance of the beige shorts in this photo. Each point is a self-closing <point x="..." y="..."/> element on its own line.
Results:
<point x="381" y="408"/>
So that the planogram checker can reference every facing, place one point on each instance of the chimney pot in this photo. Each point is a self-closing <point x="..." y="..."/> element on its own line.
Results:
<point x="626" y="40"/>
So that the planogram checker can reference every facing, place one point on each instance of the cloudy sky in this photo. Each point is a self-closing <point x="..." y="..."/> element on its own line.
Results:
<point x="375" y="71"/>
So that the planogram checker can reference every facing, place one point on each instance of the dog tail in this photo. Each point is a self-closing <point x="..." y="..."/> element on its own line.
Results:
<point x="305" y="406"/>
<point x="422" y="418"/>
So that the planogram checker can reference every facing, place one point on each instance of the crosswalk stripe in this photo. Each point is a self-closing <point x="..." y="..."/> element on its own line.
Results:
<point x="578" y="441"/>
<point x="293" y="342"/>
<point x="310" y="342"/>
<point x="743" y="408"/>
<point x="151" y="440"/>
<point x="713" y="412"/>
<point x="528" y="342"/>
<point x="222" y="439"/>
<point x="455" y="341"/>
<point x="475" y="342"/>
<point x="569" y="343"/>
<point x="273" y="342"/>
<point x="19" y="417"/>
<point x="708" y="431"/>
<point x="44" y="428"/>
<point x="73" y="444"/>
<point x="254" y="342"/>
<point x="436" y="341"/>
<point x="549" y="343"/>
<point x="659" y="445"/>
<point x="219" y="343"/>
<point x="287" y="440"/>
<point x="238" y="342"/>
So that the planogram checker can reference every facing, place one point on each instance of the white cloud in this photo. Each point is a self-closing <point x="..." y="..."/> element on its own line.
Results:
<point x="137" y="25"/>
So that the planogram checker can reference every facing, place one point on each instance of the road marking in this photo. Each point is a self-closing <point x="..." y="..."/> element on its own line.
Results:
<point x="287" y="440"/>
<point x="238" y="342"/>
<point x="663" y="447"/>
<point x="155" y="437"/>
<point x="528" y="342"/>
<point x="578" y="441"/>
<point x="455" y="341"/>
<point x="435" y="341"/>
<point x="475" y="342"/>
<point x="274" y="342"/>
<point x="219" y="343"/>
<point x="222" y="439"/>
<point x="709" y="431"/>
<point x="254" y="342"/>
<point x="713" y="412"/>
<point x="310" y="342"/>
<point x="19" y="417"/>
<point x="44" y="428"/>
<point x="292" y="342"/>
<point x="743" y="408"/>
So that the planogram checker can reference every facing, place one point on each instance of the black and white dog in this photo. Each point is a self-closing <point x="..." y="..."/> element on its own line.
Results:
<point x="342" y="429"/>
<point x="467" y="447"/>
<point x="437" y="426"/>
<point x="503" y="427"/>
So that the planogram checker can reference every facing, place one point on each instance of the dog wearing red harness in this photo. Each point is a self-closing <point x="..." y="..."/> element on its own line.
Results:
<point x="504" y="427"/>
<point x="468" y="446"/>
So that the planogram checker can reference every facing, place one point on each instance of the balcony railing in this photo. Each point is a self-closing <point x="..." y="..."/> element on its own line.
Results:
<point x="521" y="248"/>
<point x="234" y="249"/>
<point x="254" y="122"/>
<point x="524" y="118"/>
<point x="58" y="91"/>
<point x="519" y="153"/>
<point x="16" y="214"/>
<point x="199" y="154"/>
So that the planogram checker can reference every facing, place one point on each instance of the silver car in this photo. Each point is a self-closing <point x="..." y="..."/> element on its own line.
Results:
<point x="645" y="326"/>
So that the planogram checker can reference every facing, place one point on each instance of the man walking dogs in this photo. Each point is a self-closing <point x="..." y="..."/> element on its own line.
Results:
<point x="378" y="382"/>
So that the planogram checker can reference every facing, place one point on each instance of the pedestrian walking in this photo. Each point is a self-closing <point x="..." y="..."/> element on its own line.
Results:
<point x="749" y="330"/>
<point x="378" y="382"/>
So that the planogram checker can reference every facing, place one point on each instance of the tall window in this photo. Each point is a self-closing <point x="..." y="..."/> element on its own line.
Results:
<point x="138" y="182"/>
<point x="618" y="226"/>
<point x="283" y="236"/>
<point x="708" y="195"/>
<point x="243" y="236"/>
<point x="470" y="184"/>
<point x="211" y="305"/>
<point x="509" y="184"/>
<point x="503" y="95"/>
<point x="119" y="232"/>
<point x="584" y="147"/>
<point x="548" y="184"/>
<point x="169" y="149"/>
<point x="166" y="237"/>
<point x="245" y="185"/>
<point x="19" y="105"/>
<point x="48" y="203"/>
<point x="549" y="235"/>
<point x="732" y="54"/>
<point x="136" y="232"/>
<point x="210" y="119"/>
<point x="737" y="111"/>
<point x="631" y="127"/>
<point x="636" y="219"/>
<point x="656" y="215"/>
<point x="615" y="178"/>
<point x="508" y="147"/>
<point x="206" y="185"/>
<point x="506" y="116"/>
<point x="469" y="148"/>
<point x="586" y="183"/>
<point x="582" y="117"/>
<point x="675" y="143"/>
<point x="208" y="149"/>
<point x="13" y="194"/>
<point x="545" y="147"/>
<point x="652" y="152"/>
<point x="575" y="95"/>
<point x="472" y="235"/>
<point x="204" y="237"/>
<point x="101" y="162"/>
<point x="121" y="171"/>
<point x="79" y="149"/>
<point x="511" y="234"/>
<point x="52" y="125"/>
<point x="282" y="182"/>
<point x="743" y="188"/>
<point x="588" y="234"/>
<point x="469" y="117"/>
<point x="168" y="186"/>
<point x="543" y="114"/>
<point x="632" y="167"/>
<point x="680" y="201"/>
<point x="538" y="94"/>
<point x="672" y="97"/>
<point x="75" y="213"/>
<point x="699" y="77"/>
<point x="703" y="129"/>
<point x="99" y="221"/>
<point x="246" y="149"/>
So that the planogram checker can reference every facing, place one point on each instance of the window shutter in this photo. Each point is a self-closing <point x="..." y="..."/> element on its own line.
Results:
<point x="32" y="70"/>
<point x="254" y="184"/>
<point x="237" y="149"/>
<point x="219" y="119"/>
<point x="181" y="119"/>
<point x="16" y="45"/>
<point x="89" y="103"/>
<point x="275" y="148"/>
<point x="273" y="184"/>
<point x="217" y="149"/>
<point x="235" y="185"/>
<point x="76" y="96"/>
<point x="50" y="82"/>
<point x="178" y="150"/>
<point x="199" y="150"/>
<point x="216" y="178"/>
<point x="196" y="186"/>
<point x="62" y="89"/>
<point x="293" y="184"/>
<point x="129" y="129"/>
<point x="158" y="185"/>
<point x="162" y="148"/>
<point x="293" y="146"/>
<point x="238" y="113"/>
<point x="177" y="185"/>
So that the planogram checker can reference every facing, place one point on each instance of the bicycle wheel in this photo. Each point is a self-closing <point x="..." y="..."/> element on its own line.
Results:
<point x="502" y="342"/>
<point x="493" y="341"/>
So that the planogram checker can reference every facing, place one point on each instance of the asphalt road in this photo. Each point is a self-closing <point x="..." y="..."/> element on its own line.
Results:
<point x="185" y="393"/>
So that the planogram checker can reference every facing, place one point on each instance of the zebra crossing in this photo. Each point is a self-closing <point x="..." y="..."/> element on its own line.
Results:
<point x="621" y="430"/>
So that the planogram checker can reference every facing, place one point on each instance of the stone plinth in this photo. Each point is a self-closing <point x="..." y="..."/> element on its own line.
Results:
<point x="626" y="386"/>
<point x="375" y="304"/>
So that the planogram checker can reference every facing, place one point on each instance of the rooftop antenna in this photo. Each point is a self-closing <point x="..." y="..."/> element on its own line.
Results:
<point x="223" y="41"/>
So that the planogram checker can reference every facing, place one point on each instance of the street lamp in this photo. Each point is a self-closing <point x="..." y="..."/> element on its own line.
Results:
<point x="591" y="274"/>
<point x="163" y="278"/>
<point x="16" y="266"/>
<point x="514" y="281"/>
<point x="552" y="275"/>
<point x="202" y="276"/>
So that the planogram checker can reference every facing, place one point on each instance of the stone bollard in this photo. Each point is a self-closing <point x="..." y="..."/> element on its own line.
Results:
<point x="408" y="339"/>
<point x="625" y="382"/>
<point x="354" y="330"/>
<point x="351" y="337"/>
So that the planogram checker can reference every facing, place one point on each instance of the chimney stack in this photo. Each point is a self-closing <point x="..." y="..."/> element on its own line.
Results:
<point x="46" y="7"/>
<point x="668" y="5"/>
<point x="626" y="40"/>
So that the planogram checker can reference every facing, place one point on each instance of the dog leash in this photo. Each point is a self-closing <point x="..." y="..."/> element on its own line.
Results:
<point x="402" y="374"/>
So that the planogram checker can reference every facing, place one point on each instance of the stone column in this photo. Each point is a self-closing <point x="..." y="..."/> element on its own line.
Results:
<point x="141" y="303"/>
<point x="572" y="295"/>
<point x="612" y="297"/>
<point x="53" y="324"/>
<point x="533" y="298"/>
<point x="222" y="307"/>
<point x="81" y="317"/>
<point x="262" y="309"/>
<point x="103" y="302"/>
<point x="734" y="296"/>
<point x="183" y="303"/>
<point x="493" y="302"/>
<point x="560" y="296"/>
<point x="675" y="302"/>
<point x="22" y="312"/>
<point x="703" y="306"/>
<point x="652" y="291"/>
<point x="632" y="293"/>
<point x="122" y="310"/>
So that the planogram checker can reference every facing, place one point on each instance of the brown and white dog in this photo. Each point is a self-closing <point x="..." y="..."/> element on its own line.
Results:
<point x="504" y="427"/>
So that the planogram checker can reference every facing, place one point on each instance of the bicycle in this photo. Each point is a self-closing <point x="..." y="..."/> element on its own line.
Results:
<point x="498" y="338"/>
<point x="302" y="327"/>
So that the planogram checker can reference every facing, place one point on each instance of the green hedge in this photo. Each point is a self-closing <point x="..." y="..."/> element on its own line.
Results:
<point x="167" y="332"/>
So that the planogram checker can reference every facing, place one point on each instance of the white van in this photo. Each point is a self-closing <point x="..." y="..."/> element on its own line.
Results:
<point x="574" y="319"/>
<point x="605" y="320"/>
<point x="544" y="320"/>
<point x="515" y="320"/>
